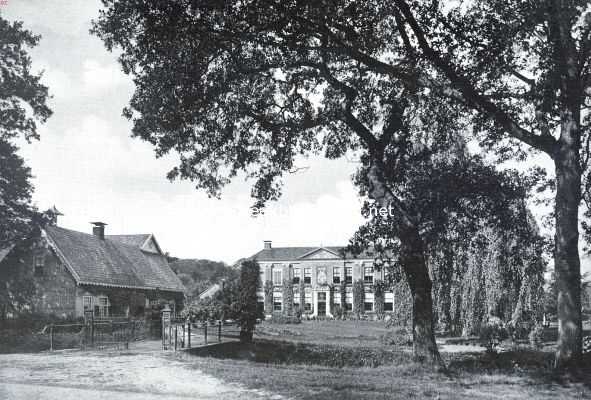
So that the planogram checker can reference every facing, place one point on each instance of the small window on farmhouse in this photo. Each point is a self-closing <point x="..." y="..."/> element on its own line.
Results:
<point x="296" y="275"/>
<point x="308" y="275"/>
<point x="101" y="309"/>
<point x="39" y="263"/>
<point x="336" y="275"/>
<point x="368" y="275"/>
<point x="87" y="303"/>
<point x="349" y="275"/>
<point x="388" y="306"/>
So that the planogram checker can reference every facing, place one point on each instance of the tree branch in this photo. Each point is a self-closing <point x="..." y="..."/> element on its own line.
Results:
<point x="472" y="97"/>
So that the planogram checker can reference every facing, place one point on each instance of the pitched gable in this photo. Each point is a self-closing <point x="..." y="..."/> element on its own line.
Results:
<point x="151" y="246"/>
<point x="320" y="254"/>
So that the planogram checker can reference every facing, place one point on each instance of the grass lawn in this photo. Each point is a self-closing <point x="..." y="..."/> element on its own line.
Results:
<point x="305" y="361"/>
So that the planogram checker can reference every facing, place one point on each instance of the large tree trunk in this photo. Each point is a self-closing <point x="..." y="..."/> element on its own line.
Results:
<point x="412" y="259"/>
<point x="566" y="260"/>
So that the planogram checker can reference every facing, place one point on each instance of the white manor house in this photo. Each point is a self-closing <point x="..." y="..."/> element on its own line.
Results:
<point x="320" y="269"/>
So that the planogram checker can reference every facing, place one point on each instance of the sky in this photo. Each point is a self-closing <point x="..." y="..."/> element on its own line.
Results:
<point x="88" y="166"/>
<point x="91" y="169"/>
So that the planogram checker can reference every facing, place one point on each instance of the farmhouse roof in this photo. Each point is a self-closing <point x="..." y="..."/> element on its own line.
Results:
<point x="131" y="240"/>
<point x="111" y="261"/>
<point x="295" y="253"/>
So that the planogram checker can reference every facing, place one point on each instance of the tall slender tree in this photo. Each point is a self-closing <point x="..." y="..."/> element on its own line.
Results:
<point x="23" y="103"/>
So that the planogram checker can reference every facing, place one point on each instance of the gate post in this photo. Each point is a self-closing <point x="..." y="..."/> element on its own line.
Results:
<point x="51" y="337"/>
<point x="165" y="324"/>
<point x="205" y="324"/>
<point x="220" y="331"/>
<point x="189" y="334"/>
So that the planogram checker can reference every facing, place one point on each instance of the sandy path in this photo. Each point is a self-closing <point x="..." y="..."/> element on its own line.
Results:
<point x="112" y="376"/>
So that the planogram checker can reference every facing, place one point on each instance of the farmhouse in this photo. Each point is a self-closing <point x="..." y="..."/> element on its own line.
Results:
<point x="74" y="273"/>
<point x="324" y="272"/>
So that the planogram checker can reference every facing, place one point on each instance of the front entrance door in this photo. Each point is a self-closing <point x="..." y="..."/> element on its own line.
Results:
<point x="322" y="304"/>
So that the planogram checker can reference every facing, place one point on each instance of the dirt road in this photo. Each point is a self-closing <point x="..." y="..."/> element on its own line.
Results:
<point x="112" y="376"/>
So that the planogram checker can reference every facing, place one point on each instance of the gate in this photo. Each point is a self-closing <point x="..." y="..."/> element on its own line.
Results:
<point x="96" y="333"/>
<point x="100" y="334"/>
<point x="183" y="334"/>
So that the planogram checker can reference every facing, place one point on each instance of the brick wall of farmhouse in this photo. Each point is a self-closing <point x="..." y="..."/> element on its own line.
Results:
<point x="55" y="288"/>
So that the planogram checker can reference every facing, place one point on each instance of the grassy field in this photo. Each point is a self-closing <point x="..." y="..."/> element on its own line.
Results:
<point x="313" y="360"/>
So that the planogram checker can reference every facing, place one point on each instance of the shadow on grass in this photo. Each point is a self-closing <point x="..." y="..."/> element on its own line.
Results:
<point x="279" y="352"/>
<point x="537" y="365"/>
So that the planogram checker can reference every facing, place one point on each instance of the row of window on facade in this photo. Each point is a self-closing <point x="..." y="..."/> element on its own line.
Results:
<point x="368" y="304"/>
<point x="277" y="275"/>
<point x="101" y="305"/>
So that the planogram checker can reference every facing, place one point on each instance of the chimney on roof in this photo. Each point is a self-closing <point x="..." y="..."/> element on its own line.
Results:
<point x="99" y="229"/>
<point x="268" y="245"/>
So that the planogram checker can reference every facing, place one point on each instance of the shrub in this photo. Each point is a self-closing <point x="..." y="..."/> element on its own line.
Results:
<point x="288" y="297"/>
<point x="343" y="293"/>
<point x="399" y="336"/>
<point x="302" y="292"/>
<point x="379" y="298"/>
<point x="536" y="336"/>
<point x="268" y="297"/>
<point x="284" y="319"/>
<point x="207" y="309"/>
<point x="492" y="333"/>
<point x="338" y="312"/>
<point x="358" y="298"/>
<point x="249" y="281"/>
<point x="402" y="314"/>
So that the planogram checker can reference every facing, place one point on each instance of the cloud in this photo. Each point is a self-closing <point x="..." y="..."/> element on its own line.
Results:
<point x="98" y="77"/>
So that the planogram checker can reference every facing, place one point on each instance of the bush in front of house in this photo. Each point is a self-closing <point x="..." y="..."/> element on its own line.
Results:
<point x="249" y="281"/>
<point x="536" y="336"/>
<point x="358" y="298"/>
<point x="284" y="319"/>
<point x="379" y="289"/>
<point x="397" y="336"/>
<point x="492" y="333"/>
<point x="338" y="312"/>
<point x="268" y="297"/>
<point x="288" y="297"/>
<point x="343" y="293"/>
<point x="302" y="293"/>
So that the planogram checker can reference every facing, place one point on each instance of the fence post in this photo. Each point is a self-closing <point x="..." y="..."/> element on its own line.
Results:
<point x="51" y="337"/>
<point x="205" y="334"/>
<point x="189" y="334"/>
<point x="220" y="331"/>
<point x="92" y="332"/>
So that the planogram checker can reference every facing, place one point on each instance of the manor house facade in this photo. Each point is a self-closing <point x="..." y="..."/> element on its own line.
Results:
<point x="321" y="270"/>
